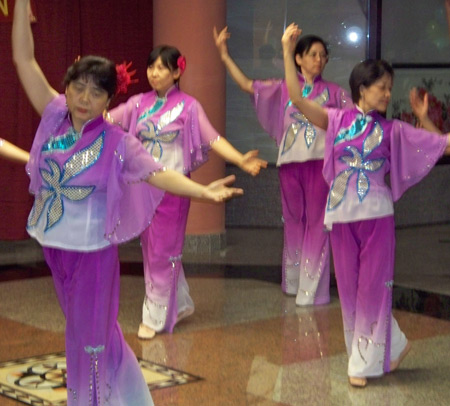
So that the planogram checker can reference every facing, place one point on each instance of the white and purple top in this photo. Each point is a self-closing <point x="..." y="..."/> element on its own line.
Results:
<point x="89" y="186"/>
<point x="298" y="140"/>
<point x="360" y="151"/>
<point x="174" y="129"/>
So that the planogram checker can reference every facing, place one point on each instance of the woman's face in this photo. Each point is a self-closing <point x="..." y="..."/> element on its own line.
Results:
<point x="376" y="96"/>
<point x="85" y="101"/>
<point x="160" y="77"/>
<point x="313" y="62"/>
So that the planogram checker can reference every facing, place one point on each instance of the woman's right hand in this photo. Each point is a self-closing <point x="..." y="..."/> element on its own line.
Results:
<point x="289" y="38"/>
<point x="220" y="190"/>
<point x="221" y="41"/>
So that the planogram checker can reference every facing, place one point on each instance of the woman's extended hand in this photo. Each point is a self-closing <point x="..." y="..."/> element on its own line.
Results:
<point x="219" y="190"/>
<point x="251" y="163"/>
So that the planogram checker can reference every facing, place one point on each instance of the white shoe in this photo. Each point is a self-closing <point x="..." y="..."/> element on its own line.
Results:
<point x="145" y="332"/>
<point x="396" y="363"/>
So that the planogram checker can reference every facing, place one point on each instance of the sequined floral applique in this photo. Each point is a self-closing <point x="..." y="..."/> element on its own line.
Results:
<point x="357" y="163"/>
<point x="56" y="188"/>
<point x="153" y="137"/>
<point x="302" y="122"/>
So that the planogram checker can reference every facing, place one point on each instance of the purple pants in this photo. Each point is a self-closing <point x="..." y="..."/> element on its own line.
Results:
<point x="167" y="293"/>
<point x="306" y="252"/>
<point x="101" y="367"/>
<point x="363" y="254"/>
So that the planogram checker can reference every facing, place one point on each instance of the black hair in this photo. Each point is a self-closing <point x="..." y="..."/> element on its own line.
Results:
<point x="101" y="70"/>
<point x="169" y="57"/>
<point x="305" y="43"/>
<point x="367" y="73"/>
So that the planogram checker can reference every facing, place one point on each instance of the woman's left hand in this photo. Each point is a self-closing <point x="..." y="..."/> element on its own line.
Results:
<point x="252" y="164"/>
<point x="418" y="104"/>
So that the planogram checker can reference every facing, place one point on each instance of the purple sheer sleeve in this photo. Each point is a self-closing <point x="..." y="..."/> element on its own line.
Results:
<point x="268" y="103"/>
<point x="131" y="201"/>
<point x="339" y="97"/>
<point x="198" y="136"/>
<point x="414" y="152"/>
<point x="125" y="114"/>
<point x="52" y="117"/>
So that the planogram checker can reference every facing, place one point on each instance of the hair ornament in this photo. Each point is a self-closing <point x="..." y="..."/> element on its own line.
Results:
<point x="124" y="77"/>
<point x="181" y="63"/>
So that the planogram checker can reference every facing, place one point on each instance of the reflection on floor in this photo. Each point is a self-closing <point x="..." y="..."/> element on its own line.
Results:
<point x="42" y="379"/>
<point x="248" y="342"/>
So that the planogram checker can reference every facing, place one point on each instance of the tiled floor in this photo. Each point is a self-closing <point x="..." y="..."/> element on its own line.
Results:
<point x="248" y="342"/>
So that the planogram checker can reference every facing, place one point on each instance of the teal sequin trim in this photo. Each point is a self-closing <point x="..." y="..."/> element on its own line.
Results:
<point x="160" y="101"/>
<point x="356" y="128"/>
<point x="62" y="142"/>
<point x="307" y="89"/>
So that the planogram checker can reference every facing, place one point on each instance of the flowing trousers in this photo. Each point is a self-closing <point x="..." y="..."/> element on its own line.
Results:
<point x="363" y="254"/>
<point x="101" y="367"/>
<point x="306" y="251"/>
<point x="167" y="298"/>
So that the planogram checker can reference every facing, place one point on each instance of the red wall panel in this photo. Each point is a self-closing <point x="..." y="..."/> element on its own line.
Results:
<point x="117" y="29"/>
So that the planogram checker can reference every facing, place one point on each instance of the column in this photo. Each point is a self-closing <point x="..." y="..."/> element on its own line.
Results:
<point x="188" y="25"/>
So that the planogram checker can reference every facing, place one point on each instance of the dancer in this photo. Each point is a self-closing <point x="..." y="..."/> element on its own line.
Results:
<point x="361" y="148"/>
<point x="306" y="253"/>
<point x="90" y="180"/>
<point x="13" y="153"/>
<point x="175" y="130"/>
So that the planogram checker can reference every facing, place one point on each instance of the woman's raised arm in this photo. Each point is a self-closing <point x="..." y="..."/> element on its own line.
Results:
<point x="313" y="111"/>
<point x="239" y="77"/>
<point x="38" y="90"/>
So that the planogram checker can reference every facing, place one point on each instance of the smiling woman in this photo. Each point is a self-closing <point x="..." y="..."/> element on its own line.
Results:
<point x="361" y="149"/>
<point x="176" y="132"/>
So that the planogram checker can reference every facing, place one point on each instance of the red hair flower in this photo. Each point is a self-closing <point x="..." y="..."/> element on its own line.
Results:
<point x="181" y="63"/>
<point x="124" y="77"/>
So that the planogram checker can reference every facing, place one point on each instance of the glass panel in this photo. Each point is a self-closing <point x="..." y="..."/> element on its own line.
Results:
<point x="256" y="28"/>
<point x="415" y="31"/>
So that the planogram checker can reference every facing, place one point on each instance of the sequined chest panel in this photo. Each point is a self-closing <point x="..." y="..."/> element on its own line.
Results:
<point x="59" y="177"/>
<point x="300" y="123"/>
<point x="357" y="159"/>
<point x="159" y="125"/>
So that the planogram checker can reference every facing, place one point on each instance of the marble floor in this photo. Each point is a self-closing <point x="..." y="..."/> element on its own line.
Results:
<point x="247" y="341"/>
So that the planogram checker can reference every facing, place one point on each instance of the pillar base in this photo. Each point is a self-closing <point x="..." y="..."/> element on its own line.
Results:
<point x="204" y="243"/>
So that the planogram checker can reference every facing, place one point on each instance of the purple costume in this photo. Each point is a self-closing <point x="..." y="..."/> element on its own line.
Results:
<point x="90" y="196"/>
<point x="361" y="149"/>
<point x="176" y="132"/>
<point x="306" y="252"/>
